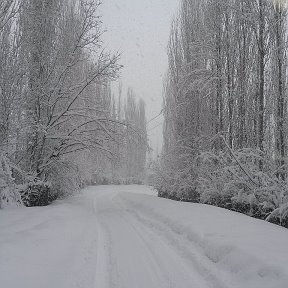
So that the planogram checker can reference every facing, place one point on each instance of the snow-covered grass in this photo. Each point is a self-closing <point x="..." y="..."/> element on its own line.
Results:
<point x="71" y="242"/>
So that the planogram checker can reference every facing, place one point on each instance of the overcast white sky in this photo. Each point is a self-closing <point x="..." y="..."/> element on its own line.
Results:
<point x="140" y="30"/>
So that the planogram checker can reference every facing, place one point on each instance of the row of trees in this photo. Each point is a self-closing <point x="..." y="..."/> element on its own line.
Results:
<point x="225" y="135"/>
<point x="56" y="115"/>
<point x="127" y="163"/>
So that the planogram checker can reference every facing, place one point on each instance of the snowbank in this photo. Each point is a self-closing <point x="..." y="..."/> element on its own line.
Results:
<point x="232" y="247"/>
<point x="48" y="247"/>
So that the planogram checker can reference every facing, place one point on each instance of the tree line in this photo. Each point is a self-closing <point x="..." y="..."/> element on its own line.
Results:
<point x="225" y="107"/>
<point x="57" y="116"/>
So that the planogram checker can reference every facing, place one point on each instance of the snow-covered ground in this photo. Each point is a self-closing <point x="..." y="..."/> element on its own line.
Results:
<point x="124" y="236"/>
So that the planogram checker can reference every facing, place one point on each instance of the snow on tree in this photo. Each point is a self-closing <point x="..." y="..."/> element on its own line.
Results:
<point x="225" y="107"/>
<point x="54" y="103"/>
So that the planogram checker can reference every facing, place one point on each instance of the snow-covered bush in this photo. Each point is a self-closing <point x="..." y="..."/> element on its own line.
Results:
<point x="176" y="176"/>
<point x="9" y="192"/>
<point x="36" y="193"/>
<point x="237" y="183"/>
<point x="60" y="180"/>
<point x="65" y="179"/>
<point x="228" y="179"/>
<point x="27" y="190"/>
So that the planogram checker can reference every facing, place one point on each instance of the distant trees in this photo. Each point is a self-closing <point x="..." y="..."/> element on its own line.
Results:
<point x="57" y="116"/>
<point x="126" y="160"/>
<point x="226" y="104"/>
<point x="131" y="145"/>
<point x="136" y="137"/>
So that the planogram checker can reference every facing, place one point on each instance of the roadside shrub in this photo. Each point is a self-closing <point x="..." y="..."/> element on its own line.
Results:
<point x="37" y="193"/>
<point x="9" y="193"/>
<point x="226" y="178"/>
<point x="64" y="179"/>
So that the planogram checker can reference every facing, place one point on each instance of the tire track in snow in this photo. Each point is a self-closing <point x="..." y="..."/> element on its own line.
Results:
<point x="103" y="253"/>
<point x="137" y="256"/>
<point x="149" y="237"/>
<point x="183" y="246"/>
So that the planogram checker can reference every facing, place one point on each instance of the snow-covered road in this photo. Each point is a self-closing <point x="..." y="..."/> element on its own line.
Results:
<point x="137" y="256"/>
<point x="124" y="236"/>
